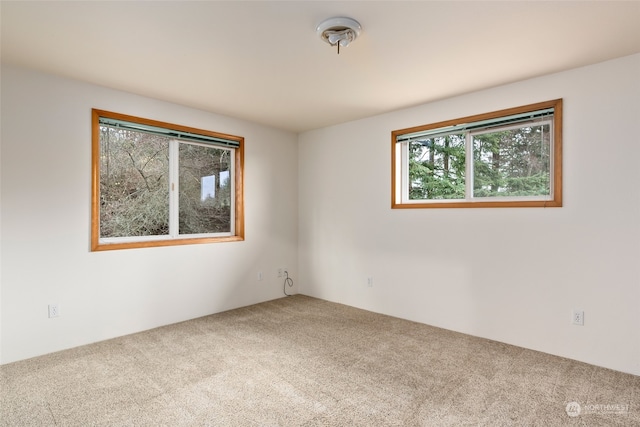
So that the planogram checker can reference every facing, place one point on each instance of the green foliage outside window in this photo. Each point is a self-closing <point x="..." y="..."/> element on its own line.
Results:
<point x="506" y="163"/>
<point x="437" y="168"/>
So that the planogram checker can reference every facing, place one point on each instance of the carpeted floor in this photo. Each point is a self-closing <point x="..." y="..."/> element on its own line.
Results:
<point x="301" y="361"/>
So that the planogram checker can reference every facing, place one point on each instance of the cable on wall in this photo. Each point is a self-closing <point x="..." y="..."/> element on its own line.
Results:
<point x="287" y="281"/>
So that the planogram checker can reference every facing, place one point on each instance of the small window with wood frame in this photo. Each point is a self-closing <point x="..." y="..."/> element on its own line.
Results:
<point x="159" y="184"/>
<point x="507" y="158"/>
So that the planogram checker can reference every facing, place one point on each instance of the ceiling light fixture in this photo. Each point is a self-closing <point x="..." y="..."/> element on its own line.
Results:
<point x="339" y="31"/>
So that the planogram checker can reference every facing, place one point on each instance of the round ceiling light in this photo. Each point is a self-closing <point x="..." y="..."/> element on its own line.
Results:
<point x="339" y="31"/>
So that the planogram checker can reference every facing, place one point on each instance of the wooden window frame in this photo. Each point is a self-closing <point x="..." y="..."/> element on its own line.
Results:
<point x="556" y="200"/>
<point x="96" y="245"/>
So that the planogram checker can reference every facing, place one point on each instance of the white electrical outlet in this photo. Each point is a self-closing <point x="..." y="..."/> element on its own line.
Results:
<point x="54" y="310"/>
<point x="280" y="272"/>
<point x="370" y="282"/>
<point x="259" y="275"/>
<point x="577" y="317"/>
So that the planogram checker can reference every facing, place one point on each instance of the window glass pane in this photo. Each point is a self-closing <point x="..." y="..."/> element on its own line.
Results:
<point x="513" y="162"/>
<point x="134" y="183"/>
<point x="205" y="189"/>
<point x="437" y="167"/>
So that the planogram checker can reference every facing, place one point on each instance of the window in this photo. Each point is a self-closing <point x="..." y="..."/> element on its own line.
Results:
<point x="508" y="158"/>
<point x="157" y="184"/>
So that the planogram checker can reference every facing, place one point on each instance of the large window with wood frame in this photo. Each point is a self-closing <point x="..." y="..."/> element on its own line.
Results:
<point x="507" y="158"/>
<point x="158" y="184"/>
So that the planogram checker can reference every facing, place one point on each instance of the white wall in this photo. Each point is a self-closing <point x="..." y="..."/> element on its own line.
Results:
<point x="45" y="214"/>
<point x="512" y="275"/>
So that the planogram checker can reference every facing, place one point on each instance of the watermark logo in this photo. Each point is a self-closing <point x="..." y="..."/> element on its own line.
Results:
<point x="574" y="409"/>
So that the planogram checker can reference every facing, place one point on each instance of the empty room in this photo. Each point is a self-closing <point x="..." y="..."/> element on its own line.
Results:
<point x="317" y="213"/>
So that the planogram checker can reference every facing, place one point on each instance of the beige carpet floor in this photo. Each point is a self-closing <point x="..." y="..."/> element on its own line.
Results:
<point x="301" y="361"/>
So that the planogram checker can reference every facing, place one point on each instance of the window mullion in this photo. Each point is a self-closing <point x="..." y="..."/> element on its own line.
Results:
<point x="468" y="192"/>
<point x="174" y="189"/>
<point x="552" y="158"/>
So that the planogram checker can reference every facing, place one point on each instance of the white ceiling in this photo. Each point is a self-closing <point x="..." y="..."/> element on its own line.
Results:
<point x="262" y="61"/>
